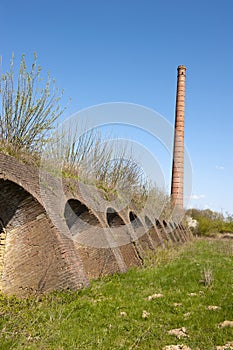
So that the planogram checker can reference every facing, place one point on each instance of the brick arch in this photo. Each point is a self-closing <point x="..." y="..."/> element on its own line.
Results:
<point x="24" y="175"/>
<point x="175" y="231"/>
<point x="113" y="218"/>
<point x="158" y="224"/>
<point x="135" y="220"/>
<point x="122" y="232"/>
<point x="145" y="241"/>
<point x="160" y="228"/>
<point x="148" y="222"/>
<point x="21" y="216"/>
<point x="31" y="259"/>
<point x="153" y="232"/>
<point x="17" y="206"/>
<point x="183" y="231"/>
<point x="38" y="255"/>
<point x="78" y="214"/>
<point x="89" y="230"/>
<point x="169" y="231"/>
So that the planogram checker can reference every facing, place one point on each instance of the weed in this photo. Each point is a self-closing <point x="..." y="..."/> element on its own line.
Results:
<point x="207" y="276"/>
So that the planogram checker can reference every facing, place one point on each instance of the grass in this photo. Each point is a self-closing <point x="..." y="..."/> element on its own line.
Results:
<point x="109" y="314"/>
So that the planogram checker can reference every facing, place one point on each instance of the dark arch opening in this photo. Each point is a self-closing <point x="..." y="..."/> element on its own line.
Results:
<point x="158" y="224"/>
<point x="113" y="218"/>
<point x="135" y="221"/>
<point x="75" y="210"/>
<point x="171" y="225"/>
<point x="176" y="231"/>
<point x="182" y="227"/>
<point x="1" y="225"/>
<point x="17" y="206"/>
<point x="29" y="254"/>
<point x="153" y="232"/>
<point x="182" y="231"/>
<point x="148" y="222"/>
<point x="179" y="227"/>
<point x="179" y="231"/>
<point x="175" y="225"/>
<point x="165" y="224"/>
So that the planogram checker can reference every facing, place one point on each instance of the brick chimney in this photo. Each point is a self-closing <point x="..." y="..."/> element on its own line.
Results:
<point x="177" y="186"/>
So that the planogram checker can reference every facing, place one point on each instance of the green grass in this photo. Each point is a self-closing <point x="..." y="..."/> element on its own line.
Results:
<point x="93" y="319"/>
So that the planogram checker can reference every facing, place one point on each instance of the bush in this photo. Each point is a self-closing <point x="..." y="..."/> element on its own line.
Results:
<point x="210" y="222"/>
<point x="28" y="110"/>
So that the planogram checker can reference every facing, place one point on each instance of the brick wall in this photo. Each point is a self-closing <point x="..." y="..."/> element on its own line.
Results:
<point x="2" y="250"/>
<point x="37" y="253"/>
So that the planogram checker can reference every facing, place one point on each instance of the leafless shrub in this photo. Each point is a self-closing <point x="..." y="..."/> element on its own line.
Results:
<point x="100" y="160"/>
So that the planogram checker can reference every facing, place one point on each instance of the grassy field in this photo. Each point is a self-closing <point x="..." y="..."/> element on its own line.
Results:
<point x="179" y="288"/>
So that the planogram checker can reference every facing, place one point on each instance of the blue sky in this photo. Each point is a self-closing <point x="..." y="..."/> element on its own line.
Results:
<point x="105" y="51"/>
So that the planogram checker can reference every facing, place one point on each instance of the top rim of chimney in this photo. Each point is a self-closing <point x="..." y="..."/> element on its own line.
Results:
<point x="182" y="67"/>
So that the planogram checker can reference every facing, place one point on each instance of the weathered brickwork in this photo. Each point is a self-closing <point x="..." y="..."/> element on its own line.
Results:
<point x="37" y="253"/>
<point x="35" y="257"/>
<point x="2" y="250"/>
<point x="177" y="187"/>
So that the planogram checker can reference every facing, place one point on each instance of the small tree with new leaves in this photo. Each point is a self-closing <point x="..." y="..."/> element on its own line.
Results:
<point x="28" y="111"/>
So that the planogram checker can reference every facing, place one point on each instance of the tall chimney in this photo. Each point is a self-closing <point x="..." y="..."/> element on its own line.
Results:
<point x="177" y="186"/>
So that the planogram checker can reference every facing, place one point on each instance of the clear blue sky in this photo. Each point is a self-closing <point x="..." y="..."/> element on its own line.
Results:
<point x="128" y="50"/>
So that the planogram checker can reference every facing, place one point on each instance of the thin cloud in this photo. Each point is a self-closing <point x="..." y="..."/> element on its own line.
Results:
<point x="197" y="196"/>
<point x="219" y="167"/>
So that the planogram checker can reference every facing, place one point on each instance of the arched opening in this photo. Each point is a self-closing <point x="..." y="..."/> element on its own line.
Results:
<point x="182" y="226"/>
<point x="127" y="253"/>
<point x="148" y="222"/>
<point x="182" y="231"/>
<point x="113" y="218"/>
<point x="171" y="225"/>
<point x="141" y="235"/>
<point x="175" y="225"/>
<point x="174" y="231"/>
<point x="1" y="225"/>
<point x="158" y="224"/>
<point x="29" y="256"/>
<point x="178" y="232"/>
<point x="162" y="228"/>
<point x="169" y="231"/>
<point x="78" y="214"/>
<point x="152" y="231"/>
<point x="19" y="210"/>
<point x="135" y="221"/>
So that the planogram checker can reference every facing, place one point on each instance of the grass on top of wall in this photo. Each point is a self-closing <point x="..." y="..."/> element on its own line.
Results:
<point x="190" y="288"/>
